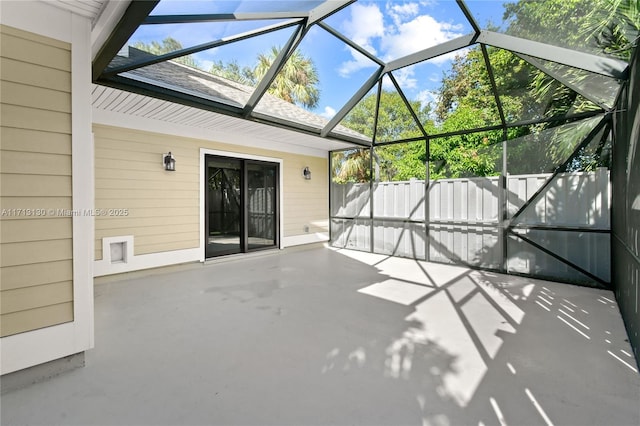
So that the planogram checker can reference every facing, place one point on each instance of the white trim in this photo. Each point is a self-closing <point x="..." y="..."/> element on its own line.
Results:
<point x="39" y="18"/>
<point x="109" y="17"/>
<point x="106" y="249"/>
<point x="205" y="151"/>
<point x="143" y="261"/>
<point x="116" y="119"/>
<point x="297" y="240"/>
<point x="39" y="346"/>
<point x="82" y="180"/>
<point x="219" y="135"/>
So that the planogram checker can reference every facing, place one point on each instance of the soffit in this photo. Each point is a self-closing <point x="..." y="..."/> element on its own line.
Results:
<point x="127" y="107"/>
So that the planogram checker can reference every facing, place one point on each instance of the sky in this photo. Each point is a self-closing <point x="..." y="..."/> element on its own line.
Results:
<point x="388" y="29"/>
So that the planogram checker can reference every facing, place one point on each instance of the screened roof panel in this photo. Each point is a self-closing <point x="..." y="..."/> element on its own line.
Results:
<point x="188" y="80"/>
<point x="166" y="39"/>
<point x="395" y="121"/>
<point x="211" y="50"/>
<point x="361" y="117"/>
<point x="176" y="7"/>
<point x="571" y="24"/>
<point x="336" y="81"/>
<point x="526" y="93"/>
<point x="462" y="96"/>
<point x="393" y="30"/>
<point x="597" y="88"/>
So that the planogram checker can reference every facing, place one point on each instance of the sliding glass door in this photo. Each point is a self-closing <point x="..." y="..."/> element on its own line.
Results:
<point x="241" y="201"/>
<point x="261" y="205"/>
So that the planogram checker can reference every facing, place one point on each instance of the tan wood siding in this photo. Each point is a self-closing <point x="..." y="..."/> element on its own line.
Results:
<point x="35" y="274"/>
<point x="35" y="229"/>
<point x="27" y="140"/>
<point x="32" y="97"/>
<point x="306" y="202"/>
<point x="163" y="207"/>
<point x="34" y="75"/>
<point x="36" y="269"/>
<point x="32" y="319"/>
<point x="23" y="299"/>
<point x="35" y="163"/>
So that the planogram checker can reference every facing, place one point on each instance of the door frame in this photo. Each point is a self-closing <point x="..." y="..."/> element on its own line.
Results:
<point x="242" y="156"/>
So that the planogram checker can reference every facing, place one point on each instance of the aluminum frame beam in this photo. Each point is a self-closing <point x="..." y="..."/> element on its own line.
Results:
<point x="124" y="29"/>
<point x="364" y="89"/>
<point x="199" y="48"/>
<point x="431" y="52"/>
<point x="469" y="16"/>
<point x="220" y="17"/>
<point x="276" y="66"/>
<point x="350" y="43"/>
<point x="326" y="9"/>
<point x="406" y="103"/>
<point x="584" y="61"/>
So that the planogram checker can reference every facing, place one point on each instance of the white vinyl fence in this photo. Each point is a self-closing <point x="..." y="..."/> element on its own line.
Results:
<point x="459" y="222"/>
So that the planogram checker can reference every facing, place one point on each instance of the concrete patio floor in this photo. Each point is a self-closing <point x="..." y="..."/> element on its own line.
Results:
<point x="319" y="336"/>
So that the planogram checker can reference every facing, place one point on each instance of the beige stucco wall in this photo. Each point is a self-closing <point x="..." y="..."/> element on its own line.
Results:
<point x="36" y="272"/>
<point x="162" y="208"/>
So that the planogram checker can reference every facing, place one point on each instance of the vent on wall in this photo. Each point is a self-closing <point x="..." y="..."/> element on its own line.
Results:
<point x="119" y="252"/>
<point x="116" y="250"/>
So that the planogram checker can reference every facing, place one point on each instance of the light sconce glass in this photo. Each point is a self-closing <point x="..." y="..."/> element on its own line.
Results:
<point x="306" y="173"/>
<point x="169" y="162"/>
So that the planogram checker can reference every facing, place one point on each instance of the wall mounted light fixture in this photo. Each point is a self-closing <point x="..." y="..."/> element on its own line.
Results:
<point x="306" y="173"/>
<point x="169" y="162"/>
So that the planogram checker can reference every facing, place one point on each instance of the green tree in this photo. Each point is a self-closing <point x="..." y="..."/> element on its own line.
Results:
<point x="167" y="45"/>
<point x="352" y="165"/>
<point x="297" y="81"/>
<point x="234" y="72"/>
<point x="395" y="122"/>
<point x="614" y="26"/>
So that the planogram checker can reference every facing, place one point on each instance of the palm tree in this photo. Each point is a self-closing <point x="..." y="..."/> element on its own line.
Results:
<point x="615" y="24"/>
<point x="297" y="81"/>
<point x="351" y="166"/>
<point x="168" y="45"/>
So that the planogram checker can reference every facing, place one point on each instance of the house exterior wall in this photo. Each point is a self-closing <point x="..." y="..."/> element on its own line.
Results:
<point x="161" y="210"/>
<point x="36" y="273"/>
<point x="46" y="165"/>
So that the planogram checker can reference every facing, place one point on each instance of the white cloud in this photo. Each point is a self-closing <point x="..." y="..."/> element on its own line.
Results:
<point x="328" y="113"/>
<point x="406" y="78"/>
<point x="205" y="64"/>
<point x="418" y="34"/>
<point x="427" y="97"/>
<point x="365" y="24"/>
<point x="406" y="32"/>
<point x="400" y="12"/>
<point x="359" y="62"/>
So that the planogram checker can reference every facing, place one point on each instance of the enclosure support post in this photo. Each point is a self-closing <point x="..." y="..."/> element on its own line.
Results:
<point x="503" y="236"/>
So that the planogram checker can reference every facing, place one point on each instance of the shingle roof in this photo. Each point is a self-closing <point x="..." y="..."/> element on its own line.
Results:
<point x="185" y="79"/>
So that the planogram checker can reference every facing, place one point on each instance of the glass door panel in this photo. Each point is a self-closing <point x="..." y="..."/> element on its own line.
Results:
<point x="261" y="205"/>
<point x="241" y="205"/>
<point x="223" y="206"/>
